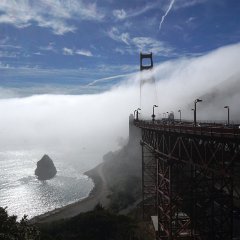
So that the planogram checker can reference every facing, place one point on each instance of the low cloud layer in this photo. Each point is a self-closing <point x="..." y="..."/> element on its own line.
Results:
<point x="95" y="122"/>
<point x="88" y="123"/>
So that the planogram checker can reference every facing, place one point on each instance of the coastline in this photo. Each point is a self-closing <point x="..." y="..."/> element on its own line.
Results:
<point x="99" y="194"/>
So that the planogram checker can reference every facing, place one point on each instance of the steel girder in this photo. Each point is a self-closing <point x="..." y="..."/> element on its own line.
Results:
<point x="149" y="182"/>
<point x="196" y="183"/>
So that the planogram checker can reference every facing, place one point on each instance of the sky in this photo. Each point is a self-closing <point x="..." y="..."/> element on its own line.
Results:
<point x="85" y="46"/>
<point x="69" y="69"/>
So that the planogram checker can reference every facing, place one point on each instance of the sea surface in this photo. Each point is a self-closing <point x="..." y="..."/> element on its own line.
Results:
<point x="22" y="193"/>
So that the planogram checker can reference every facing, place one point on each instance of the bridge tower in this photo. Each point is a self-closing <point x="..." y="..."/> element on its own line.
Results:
<point x="146" y="56"/>
<point x="149" y="161"/>
<point x="148" y="87"/>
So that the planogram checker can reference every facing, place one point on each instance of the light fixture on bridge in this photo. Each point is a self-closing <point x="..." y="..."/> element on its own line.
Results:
<point x="134" y="113"/>
<point x="153" y="115"/>
<point x="139" y="109"/>
<point x="180" y="115"/>
<point x="228" y="109"/>
<point x="195" y="110"/>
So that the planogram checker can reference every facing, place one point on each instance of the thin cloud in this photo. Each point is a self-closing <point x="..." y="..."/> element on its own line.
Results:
<point x="138" y="44"/>
<point x="109" y="78"/>
<point x="147" y="44"/>
<point x="115" y="34"/>
<point x="83" y="52"/>
<point x="68" y="79"/>
<point x="9" y="50"/>
<point x="8" y="54"/>
<point x="121" y="14"/>
<point x="9" y="46"/>
<point x="67" y="51"/>
<point x="38" y="53"/>
<point x="4" y="66"/>
<point x="190" y="20"/>
<point x="52" y="14"/>
<point x="187" y="3"/>
<point x="50" y="47"/>
<point x="166" y="13"/>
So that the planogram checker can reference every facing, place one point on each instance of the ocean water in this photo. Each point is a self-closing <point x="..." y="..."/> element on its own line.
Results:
<point x="22" y="193"/>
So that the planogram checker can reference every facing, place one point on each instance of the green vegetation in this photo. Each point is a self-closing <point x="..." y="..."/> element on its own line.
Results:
<point x="99" y="224"/>
<point x="11" y="229"/>
<point x="125" y="193"/>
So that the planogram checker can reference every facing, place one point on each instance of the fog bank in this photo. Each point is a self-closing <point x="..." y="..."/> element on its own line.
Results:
<point x="95" y="123"/>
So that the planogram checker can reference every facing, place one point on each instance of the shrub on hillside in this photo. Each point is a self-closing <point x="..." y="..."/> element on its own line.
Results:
<point x="11" y="229"/>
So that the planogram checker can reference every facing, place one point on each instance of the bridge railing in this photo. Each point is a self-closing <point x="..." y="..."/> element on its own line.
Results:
<point x="206" y="129"/>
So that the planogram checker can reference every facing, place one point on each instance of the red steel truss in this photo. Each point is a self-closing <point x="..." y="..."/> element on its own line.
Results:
<point x="149" y="181"/>
<point x="190" y="179"/>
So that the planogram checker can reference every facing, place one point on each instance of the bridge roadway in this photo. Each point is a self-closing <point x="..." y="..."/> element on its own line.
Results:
<point x="192" y="172"/>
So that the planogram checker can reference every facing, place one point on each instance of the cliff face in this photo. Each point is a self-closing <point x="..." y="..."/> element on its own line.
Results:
<point x="45" y="168"/>
<point x="122" y="171"/>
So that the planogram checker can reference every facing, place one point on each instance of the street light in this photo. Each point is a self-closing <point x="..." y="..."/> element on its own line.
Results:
<point x="195" y="111"/>
<point x="228" y="114"/>
<point x="180" y="114"/>
<point x="153" y="115"/>
<point x="139" y="109"/>
<point x="134" y="113"/>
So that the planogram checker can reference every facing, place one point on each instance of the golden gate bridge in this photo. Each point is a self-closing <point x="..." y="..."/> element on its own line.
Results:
<point x="190" y="176"/>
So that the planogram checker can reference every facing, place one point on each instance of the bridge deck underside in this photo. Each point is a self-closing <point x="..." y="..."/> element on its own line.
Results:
<point x="191" y="182"/>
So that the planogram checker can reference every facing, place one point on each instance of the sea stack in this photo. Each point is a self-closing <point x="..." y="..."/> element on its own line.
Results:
<point x="45" y="168"/>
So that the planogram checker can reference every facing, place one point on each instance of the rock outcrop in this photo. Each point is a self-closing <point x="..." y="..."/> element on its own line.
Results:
<point x="45" y="168"/>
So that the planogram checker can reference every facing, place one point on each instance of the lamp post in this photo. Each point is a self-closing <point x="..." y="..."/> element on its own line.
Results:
<point x="195" y="111"/>
<point x="227" y="107"/>
<point x="180" y="113"/>
<point x="153" y="115"/>
<point x="134" y="113"/>
<point x="139" y="109"/>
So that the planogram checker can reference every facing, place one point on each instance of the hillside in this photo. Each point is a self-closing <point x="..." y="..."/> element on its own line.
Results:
<point x="122" y="171"/>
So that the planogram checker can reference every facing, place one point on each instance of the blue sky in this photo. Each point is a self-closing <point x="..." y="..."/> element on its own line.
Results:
<point x="95" y="44"/>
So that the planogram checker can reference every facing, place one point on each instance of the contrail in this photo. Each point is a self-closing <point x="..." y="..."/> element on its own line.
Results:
<point x="109" y="78"/>
<point x="163" y="17"/>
